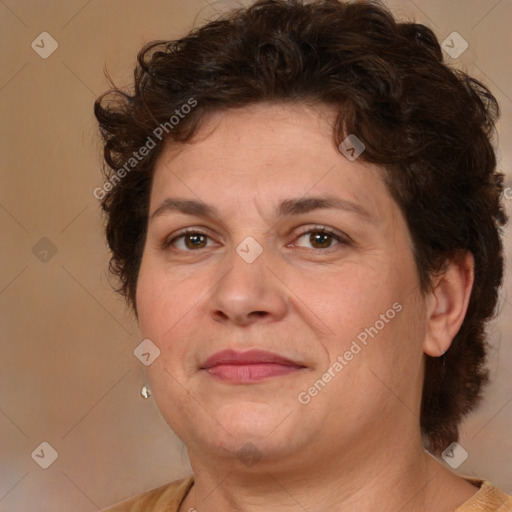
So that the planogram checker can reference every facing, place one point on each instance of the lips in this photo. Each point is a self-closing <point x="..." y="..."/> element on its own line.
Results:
<point x="232" y="357"/>
<point x="249" y="366"/>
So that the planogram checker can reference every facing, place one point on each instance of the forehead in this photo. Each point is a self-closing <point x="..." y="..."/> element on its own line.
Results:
<point x="268" y="152"/>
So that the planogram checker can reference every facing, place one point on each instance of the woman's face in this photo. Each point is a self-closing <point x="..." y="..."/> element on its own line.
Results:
<point x="291" y="249"/>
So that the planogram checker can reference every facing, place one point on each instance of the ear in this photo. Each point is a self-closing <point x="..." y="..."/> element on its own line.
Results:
<point x="447" y="304"/>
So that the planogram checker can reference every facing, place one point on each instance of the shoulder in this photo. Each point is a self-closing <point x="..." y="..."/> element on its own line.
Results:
<point x="166" y="498"/>
<point x="487" y="499"/>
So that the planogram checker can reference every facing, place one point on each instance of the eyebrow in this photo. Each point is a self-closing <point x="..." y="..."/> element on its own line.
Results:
<point x="288" y="207"/>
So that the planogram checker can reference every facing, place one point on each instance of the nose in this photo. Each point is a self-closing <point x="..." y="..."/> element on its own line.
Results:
<point x="248" y="292"/>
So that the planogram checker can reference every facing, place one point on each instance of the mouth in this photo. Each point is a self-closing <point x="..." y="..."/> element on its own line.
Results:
<point x="250" y="366"/>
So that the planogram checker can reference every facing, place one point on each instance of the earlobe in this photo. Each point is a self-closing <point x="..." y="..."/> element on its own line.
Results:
<point x="447" y="304"/>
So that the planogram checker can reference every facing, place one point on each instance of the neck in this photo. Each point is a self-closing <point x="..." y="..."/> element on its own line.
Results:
<point x="397" y="475"/>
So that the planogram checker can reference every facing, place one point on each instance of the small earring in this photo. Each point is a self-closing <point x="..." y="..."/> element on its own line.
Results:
<point x="145" y="391"/>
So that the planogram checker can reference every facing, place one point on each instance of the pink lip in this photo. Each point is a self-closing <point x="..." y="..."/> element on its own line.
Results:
<point x="250" y="366"/>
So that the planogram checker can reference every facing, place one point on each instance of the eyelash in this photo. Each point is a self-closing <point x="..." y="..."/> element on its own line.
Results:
<point x="341" y="238"/>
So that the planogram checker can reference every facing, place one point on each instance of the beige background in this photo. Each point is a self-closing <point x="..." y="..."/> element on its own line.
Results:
<point x="68" y="375"/>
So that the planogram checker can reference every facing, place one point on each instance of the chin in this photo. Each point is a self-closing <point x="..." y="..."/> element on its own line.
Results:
<point x="251" y="422"/>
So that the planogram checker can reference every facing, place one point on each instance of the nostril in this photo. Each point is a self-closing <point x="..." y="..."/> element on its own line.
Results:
<point x="220" y="315"/>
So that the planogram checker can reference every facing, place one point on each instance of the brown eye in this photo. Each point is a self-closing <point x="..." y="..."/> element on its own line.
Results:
<point x="189" y="241"/>
<point x="195" y="240"/>
<point x="320" y="240"/>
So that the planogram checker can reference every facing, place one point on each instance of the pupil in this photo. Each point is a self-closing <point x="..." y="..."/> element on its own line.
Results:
<point x="194" y="241"/>
<point x="321" y="239"/>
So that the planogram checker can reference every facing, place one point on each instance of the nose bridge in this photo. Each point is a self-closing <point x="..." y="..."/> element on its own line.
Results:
<point x="248" y="289"/>
<point x="246" y="275"/>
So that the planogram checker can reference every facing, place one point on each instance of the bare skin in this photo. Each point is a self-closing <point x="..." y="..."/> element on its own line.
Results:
<point x="355" y="445"/>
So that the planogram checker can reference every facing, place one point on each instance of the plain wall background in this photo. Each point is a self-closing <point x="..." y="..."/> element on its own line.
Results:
<point x="68" y="374"/>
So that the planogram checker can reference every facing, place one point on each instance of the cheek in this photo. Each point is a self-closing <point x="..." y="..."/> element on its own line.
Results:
<point x="349" y="300"/>
<point x="167" y="315"/>
<point x="373" y="315"/>
<point x="172" y="313"/>
<point x="151" y="305"/>
<point x="163" y="301"/>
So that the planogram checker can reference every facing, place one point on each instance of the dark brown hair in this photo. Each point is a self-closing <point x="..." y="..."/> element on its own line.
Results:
<point x="427" y="125"/>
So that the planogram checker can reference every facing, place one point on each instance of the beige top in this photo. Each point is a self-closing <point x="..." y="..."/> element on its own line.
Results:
<point x="169" y="497"/>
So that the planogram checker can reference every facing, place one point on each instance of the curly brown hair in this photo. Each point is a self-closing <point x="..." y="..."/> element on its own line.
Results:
<point x="428" y="126"/>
